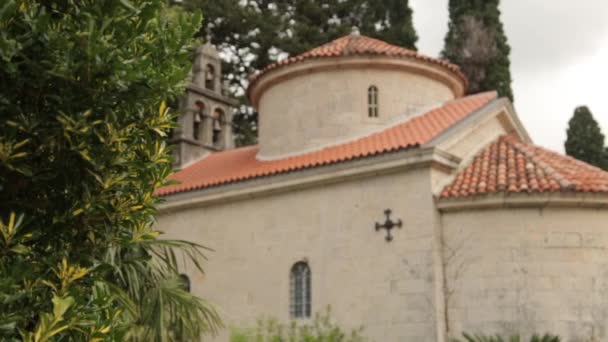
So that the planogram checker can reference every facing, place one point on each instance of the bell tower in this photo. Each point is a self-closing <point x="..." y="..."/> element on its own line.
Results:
<point x="205" y="122"/>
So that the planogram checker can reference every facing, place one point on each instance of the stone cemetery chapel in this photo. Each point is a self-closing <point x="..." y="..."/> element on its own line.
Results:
<point x="380" y="189"/>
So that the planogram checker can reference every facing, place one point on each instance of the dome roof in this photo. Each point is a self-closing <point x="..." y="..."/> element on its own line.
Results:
<point x="355" y="44"/>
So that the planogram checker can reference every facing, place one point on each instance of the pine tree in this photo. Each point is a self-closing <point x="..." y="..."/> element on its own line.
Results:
<point x="257" y="33"/>
<point x="477" y="43"/>
<point x="585" y="140"/>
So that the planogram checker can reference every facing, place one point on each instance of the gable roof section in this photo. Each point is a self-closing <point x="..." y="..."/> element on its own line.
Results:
<point x="241" y="164"/>
<point x="509" y="165"/>
<point x="358" y="45"/>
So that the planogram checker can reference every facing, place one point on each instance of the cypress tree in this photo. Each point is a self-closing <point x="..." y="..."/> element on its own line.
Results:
<point x="585" y="140"/>
<point x="476" y="41"/>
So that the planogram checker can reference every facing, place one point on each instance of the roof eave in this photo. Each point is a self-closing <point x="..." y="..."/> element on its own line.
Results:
<point x="362" y="167"/>
<point x="504" y="200"/>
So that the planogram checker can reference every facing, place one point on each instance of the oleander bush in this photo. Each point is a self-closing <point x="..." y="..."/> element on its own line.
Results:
<point x="82" y="128"/>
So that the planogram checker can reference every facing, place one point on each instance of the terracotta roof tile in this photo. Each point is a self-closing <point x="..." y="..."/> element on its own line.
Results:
<point x="509" y="165"/>
<point x="357" y="45"/>
<point x="241" y="164"/>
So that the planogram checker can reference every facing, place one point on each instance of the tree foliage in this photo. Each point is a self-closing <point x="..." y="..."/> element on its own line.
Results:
<point x="255" y="33"/>
<point x="585" y="140"/>
<point x="476" y="41"/>
<point x="82" y="124"/>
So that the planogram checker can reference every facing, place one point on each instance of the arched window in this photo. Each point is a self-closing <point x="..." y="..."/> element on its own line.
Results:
<point x="210" y="77"/>
<point x="372" y="101"/>
<point x="197" y="120"/>
<point x="299" y="290"/>
<point x="218" y="122"/>
<point x="185" y="280"/>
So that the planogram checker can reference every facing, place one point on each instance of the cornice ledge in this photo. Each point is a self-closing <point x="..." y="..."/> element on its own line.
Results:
<point x="218" y="97"/>
<point x="360" y="168"/>
<point x="524" y="200"/>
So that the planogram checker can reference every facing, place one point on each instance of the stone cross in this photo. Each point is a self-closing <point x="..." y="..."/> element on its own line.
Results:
<point x="388" y="225"/>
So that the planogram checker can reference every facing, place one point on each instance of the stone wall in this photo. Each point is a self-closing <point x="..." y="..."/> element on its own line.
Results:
<point x="387" y="287"/>
<point x="528" y="270"/>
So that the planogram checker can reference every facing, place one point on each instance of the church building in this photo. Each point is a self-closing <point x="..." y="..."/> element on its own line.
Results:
<point x="379" y="189"/>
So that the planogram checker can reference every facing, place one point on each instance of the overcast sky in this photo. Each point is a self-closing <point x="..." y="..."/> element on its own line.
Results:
<point x="559" y="59"/>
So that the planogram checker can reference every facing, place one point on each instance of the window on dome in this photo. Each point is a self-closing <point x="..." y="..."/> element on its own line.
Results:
<point x="299" y="290"/>
<point x="372" y="101"/>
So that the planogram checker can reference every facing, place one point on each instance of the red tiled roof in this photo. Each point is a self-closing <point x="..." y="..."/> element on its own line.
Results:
<point x="241" y="164"/>
<point x="509" y="165"/>
<point x="353" y="45"/>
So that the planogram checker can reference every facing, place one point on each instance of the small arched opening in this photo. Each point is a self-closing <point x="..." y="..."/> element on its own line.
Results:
<point x="197" y="121"/>
<point x="219" y="119"/>
<point x="210" y="77"/>
<point x="185" y="282"/>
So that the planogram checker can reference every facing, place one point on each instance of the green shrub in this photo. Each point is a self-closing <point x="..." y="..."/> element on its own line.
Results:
<point x="514" y="338"/>
<point x="320" y="329"/>
<point x="82" y="128"/>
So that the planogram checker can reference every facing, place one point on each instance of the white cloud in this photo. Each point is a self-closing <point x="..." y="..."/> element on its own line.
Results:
<point x="547" y="34"/>
<point x="431" y="22"/>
